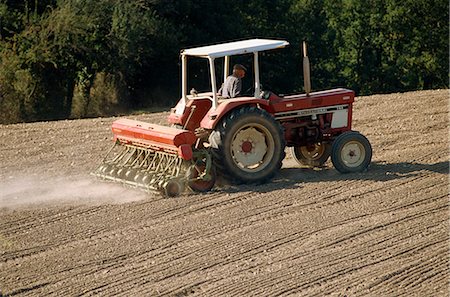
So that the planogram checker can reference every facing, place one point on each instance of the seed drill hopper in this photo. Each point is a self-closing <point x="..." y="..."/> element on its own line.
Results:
<point x="155" y="157"/>
<point x="243" y="139"/>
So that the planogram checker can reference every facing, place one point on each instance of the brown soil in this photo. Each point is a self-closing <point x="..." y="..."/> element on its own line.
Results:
<point x="308" y="233"/>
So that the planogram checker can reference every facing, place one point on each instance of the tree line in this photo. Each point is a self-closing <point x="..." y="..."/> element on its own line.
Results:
<point x="79" y="58"/>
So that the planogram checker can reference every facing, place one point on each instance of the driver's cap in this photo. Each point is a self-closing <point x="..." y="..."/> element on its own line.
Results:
<point x="239" y="67"/>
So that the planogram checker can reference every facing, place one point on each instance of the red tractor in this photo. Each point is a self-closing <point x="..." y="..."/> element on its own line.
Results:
<point x="243" y="139"/>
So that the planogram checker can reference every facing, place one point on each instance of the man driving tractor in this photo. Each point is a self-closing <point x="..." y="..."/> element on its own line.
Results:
<point x="232" y="86"/>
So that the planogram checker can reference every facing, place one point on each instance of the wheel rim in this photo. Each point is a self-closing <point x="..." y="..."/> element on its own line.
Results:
<point x="252" y="147"/>
<point x="313" y="152"/>
<point x="353" y="154"/>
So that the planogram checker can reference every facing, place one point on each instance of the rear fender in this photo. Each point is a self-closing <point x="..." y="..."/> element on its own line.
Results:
<point x="213" y="117"/>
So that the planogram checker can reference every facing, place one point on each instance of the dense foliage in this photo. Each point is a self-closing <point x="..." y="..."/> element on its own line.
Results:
<point x="77" y="58"/>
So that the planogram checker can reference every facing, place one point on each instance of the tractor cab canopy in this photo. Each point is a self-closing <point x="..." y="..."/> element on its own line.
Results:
<point x="225" y="50"/>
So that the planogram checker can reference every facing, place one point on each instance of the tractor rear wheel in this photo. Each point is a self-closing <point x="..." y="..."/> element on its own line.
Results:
<point x="314" y="155"/>
<point x="248" y="146"/>
<point x="351" y="152"/>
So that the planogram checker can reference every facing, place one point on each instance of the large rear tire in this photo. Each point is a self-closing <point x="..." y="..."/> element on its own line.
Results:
<point x="351" y="152"/>
<point x="248" y="146"/>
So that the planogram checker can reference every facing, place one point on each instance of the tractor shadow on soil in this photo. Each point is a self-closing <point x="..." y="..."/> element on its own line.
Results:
<point x="291" y="178"/>
<point x="377" y="171"/>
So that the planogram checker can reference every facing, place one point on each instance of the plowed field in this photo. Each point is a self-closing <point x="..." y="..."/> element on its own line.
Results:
<point x="384" y="232"/>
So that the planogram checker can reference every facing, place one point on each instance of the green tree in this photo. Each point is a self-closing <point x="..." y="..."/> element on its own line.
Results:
<point x="390" y="45"/>
<point x="59" y="58"/>
<point x="142" y="43"/>
<point x="415" y="43"/>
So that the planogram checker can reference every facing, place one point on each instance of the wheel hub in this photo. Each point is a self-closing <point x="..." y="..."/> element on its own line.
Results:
<point x="313" y="152"/>
<point x="249" y="147"/>
<point x="353" y="154"/>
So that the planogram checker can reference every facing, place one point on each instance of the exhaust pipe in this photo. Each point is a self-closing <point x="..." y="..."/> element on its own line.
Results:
<point x="306" y="71"/>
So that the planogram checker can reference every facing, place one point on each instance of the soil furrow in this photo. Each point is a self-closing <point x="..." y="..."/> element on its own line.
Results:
<point x="308" y="232"/>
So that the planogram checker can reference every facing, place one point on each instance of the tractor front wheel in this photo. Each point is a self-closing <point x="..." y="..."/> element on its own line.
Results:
<point x="248" y="146"/>
<point x="351" y="152"/>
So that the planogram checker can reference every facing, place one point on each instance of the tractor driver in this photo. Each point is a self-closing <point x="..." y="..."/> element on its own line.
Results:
<point x="233" y="84"/>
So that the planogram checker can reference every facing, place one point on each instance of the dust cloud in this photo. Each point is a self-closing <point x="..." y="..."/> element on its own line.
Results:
<point x="39" y="191"/>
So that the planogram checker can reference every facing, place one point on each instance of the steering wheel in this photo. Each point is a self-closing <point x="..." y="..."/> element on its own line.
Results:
<point x="266" y="94"/>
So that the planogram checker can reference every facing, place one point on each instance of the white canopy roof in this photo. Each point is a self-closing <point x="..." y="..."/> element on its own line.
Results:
<point x="235" y="48"/>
